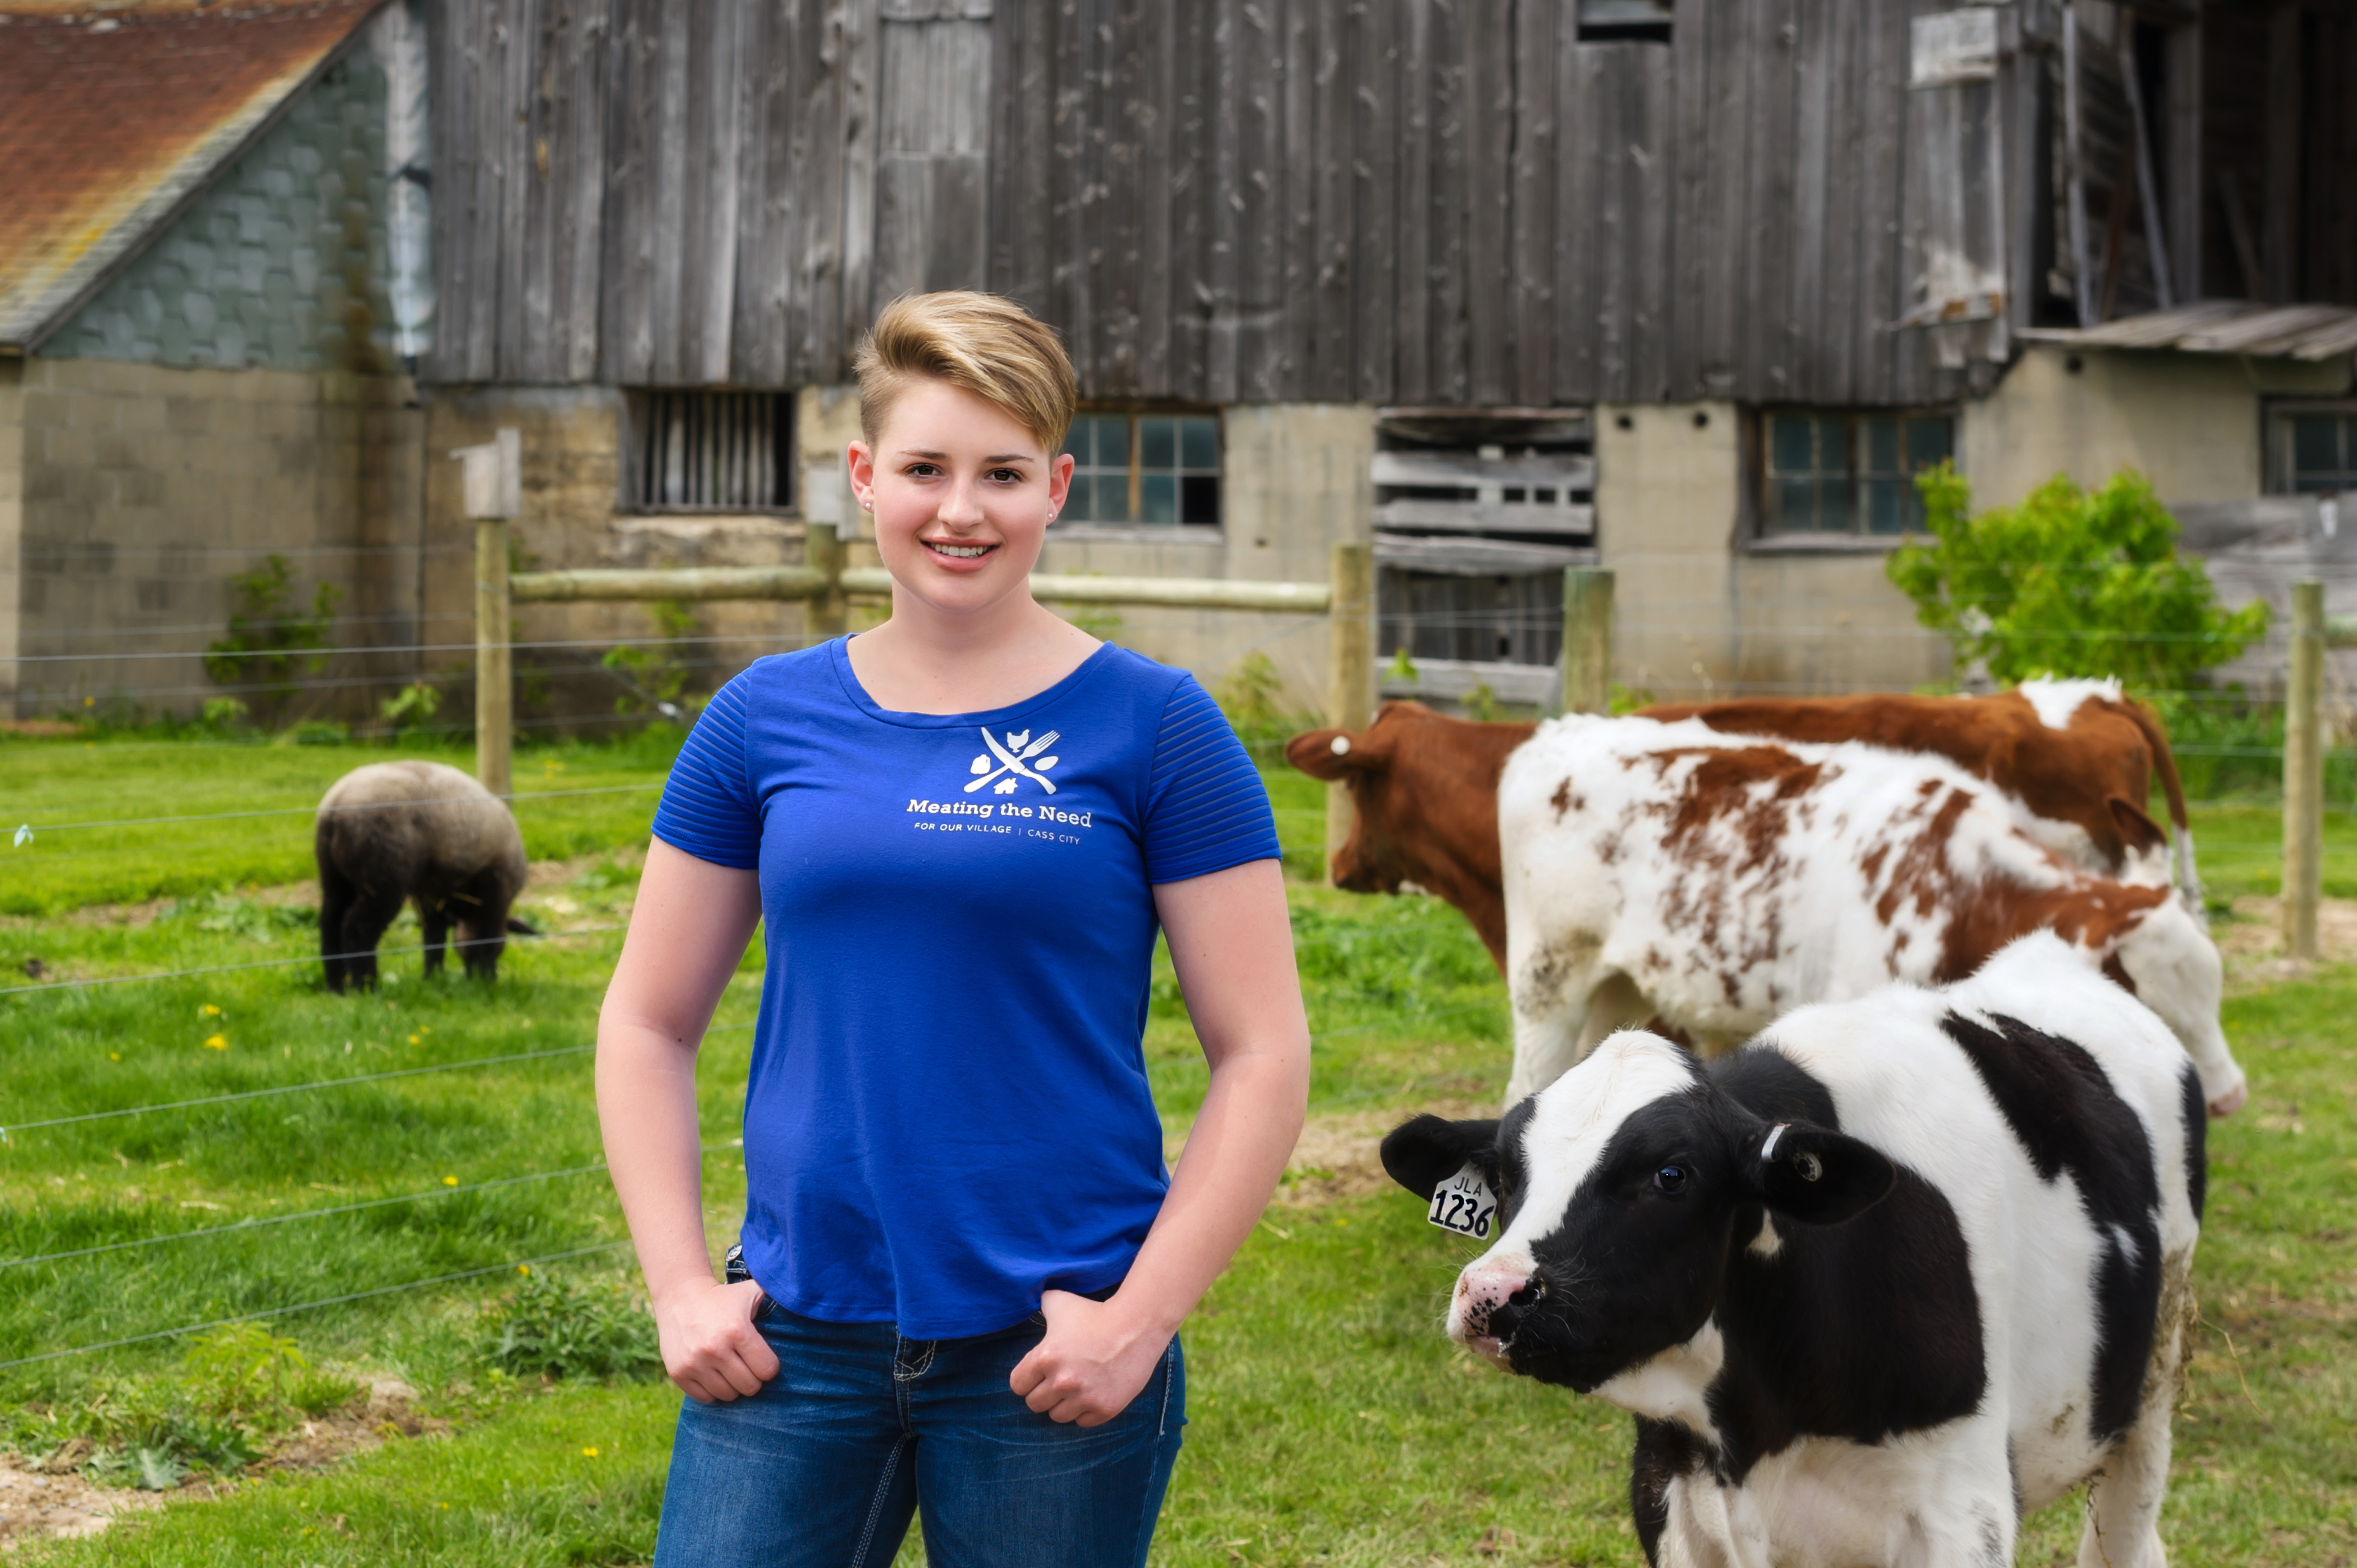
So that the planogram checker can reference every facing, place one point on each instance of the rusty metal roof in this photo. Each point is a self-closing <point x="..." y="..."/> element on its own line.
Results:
<point x="2226" y="326"/>
<point x="113" y="116"/>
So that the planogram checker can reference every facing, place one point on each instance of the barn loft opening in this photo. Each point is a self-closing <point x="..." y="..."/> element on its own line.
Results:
<point x="1624" y="21"/>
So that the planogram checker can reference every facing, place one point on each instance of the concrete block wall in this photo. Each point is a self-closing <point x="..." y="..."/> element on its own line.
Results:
<point x="1294" y="482"/>
<point x="12" y="526"/>
<point x="2190" y="423"/>
<point x="1701" y="611"/>
<point x="571" y="517"/>
<point x="280" y="264"/>
<point x="143" y="490"/>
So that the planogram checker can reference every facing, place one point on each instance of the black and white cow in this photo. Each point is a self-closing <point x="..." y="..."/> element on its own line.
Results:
<point x="1895" y="1273"/>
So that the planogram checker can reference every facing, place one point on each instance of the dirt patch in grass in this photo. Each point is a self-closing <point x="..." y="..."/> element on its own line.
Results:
<point x="37" y="1506"/>
<point x="2252" y="941"/>
<point x="386" y="1412"/>
<point x="53" y="1498"/>
<point x="1337" y="1156"/>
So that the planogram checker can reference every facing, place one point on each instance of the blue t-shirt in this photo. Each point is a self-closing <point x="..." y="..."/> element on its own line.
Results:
<point x="947" y="1110"/>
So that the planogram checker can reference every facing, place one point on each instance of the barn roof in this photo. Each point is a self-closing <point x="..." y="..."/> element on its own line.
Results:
<point x="2226" y="327"/>
<point x="113" y="117"/>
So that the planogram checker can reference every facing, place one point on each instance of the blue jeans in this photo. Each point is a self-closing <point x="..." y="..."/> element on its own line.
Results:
<point x="860" y="1428"/>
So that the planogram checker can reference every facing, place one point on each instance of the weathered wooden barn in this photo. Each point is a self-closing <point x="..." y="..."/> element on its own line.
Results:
<point x="1689" y="287"/>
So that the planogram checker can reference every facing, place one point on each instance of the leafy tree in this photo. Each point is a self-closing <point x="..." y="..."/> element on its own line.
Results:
<point x="2070" y="584"/>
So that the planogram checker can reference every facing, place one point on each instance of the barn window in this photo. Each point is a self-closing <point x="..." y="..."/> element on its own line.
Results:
<point x="1850" y="472"/>
<point x="1612" y="21"/>
<point x="2315" y="450"/>
<point x="709" y="451"/>
<point x="1145" y="467"/>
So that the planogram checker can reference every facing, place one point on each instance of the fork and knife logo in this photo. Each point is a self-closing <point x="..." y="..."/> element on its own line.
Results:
<point x="1015" y="762"/>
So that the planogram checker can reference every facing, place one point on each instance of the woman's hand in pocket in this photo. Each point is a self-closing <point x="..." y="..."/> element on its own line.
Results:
<point x="1094" y="1361"/>
<point x="710" y="1348"/>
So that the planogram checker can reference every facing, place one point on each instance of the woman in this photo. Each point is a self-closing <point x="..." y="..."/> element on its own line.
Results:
<point x="963" y="1262"/>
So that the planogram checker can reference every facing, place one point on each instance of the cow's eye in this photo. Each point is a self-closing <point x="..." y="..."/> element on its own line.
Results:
<point x="1669" y="1178"/>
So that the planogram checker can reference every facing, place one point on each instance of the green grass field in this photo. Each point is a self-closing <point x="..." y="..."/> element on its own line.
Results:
<point x="1331" y="1423"/>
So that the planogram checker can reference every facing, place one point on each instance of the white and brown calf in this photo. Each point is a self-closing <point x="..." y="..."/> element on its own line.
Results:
<point x="1896" y="1273"/>
<point x="1707" y="883"/>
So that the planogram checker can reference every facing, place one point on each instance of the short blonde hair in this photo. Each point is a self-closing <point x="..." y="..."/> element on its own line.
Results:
<point x="979" y="343"/>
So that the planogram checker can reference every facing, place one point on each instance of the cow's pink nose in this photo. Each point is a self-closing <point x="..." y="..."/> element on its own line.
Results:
<point x="1488" y="1286"/>
<point x="1486" y="1310"/>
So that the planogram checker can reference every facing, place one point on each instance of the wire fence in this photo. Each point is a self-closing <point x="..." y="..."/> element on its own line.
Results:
<point x="699" y="659"/>
<point x="290" y="1310"/>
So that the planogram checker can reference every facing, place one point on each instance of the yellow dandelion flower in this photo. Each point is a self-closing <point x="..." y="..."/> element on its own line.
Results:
<point x="209" y="1011"/>
<point x="114" y="1055"/>
<point x="449" y="1181"/>
<point x="217" y="1043"/>
<point x="523" y="1268"/>
<point x="414" y="1039"/>
<point x="589" y="1454"/>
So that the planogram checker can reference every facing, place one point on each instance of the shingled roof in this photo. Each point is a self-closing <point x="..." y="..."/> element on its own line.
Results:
<point x="114" y="117"/>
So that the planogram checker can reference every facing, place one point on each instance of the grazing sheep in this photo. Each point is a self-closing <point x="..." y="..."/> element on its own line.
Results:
<point x="393" y="832"/>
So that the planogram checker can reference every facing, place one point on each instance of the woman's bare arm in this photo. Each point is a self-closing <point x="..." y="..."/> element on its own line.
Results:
<point x="688" y="929"/>
<point x="1232" y="941"/>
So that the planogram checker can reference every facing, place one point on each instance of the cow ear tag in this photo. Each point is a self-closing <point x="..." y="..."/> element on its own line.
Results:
<point x="1464" y="1203"/>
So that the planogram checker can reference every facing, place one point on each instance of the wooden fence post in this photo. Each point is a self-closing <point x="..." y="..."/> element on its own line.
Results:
<point x="494" y="659"/>
<point x="492" y="486"/>
<point x="2303" y="788"/>
<point x="1586" y="641"/>
<point x="1351" y="667"/>
<point x="823" y="551"/>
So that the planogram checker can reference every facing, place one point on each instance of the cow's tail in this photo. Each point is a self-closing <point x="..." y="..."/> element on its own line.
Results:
<point x="2182" y="873"/>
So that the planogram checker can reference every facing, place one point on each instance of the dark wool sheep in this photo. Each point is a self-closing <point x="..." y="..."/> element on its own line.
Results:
<point x="393" y="832"/>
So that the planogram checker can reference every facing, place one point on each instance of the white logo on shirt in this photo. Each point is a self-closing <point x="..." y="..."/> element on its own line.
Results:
<point x="1015" y="761"/>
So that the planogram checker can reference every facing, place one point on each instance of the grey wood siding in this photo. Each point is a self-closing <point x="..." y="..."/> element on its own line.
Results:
<point x="1445" y="202"/>
<point x="672" y="195"/>
<point x="1420" y="202"/>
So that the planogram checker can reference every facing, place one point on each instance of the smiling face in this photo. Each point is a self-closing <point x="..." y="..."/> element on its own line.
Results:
<point x="962" y="495"/>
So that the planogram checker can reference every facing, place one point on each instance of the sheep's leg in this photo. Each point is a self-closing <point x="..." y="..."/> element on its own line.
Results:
<point x="433" y="920"/>
<point x="335" y="901"/>
<point x="362" y="927"/>
<point x="484" y="927"/>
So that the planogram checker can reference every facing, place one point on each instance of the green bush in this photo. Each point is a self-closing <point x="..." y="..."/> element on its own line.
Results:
<point x="272" y="640"/>
<point x="236" y="1391"/>
<point x="656" y="682"/>
<point x="2071" y="584"/>
<point x="552" y="1328"/>
<point x="1253" y="697"/>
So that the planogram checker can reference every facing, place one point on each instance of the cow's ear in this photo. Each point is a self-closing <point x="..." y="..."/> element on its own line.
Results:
<point x="2140" y="831"/>
<point x="1421" y="1154"/>
<point x="1817" y="1177"/>
<point x="1328" y="754"/>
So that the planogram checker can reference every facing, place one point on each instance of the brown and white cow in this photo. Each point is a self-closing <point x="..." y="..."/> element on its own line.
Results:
<point x="1710" y="883"/>
<point x="2074" y="760"/>
<point x="2075" y="757"/>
